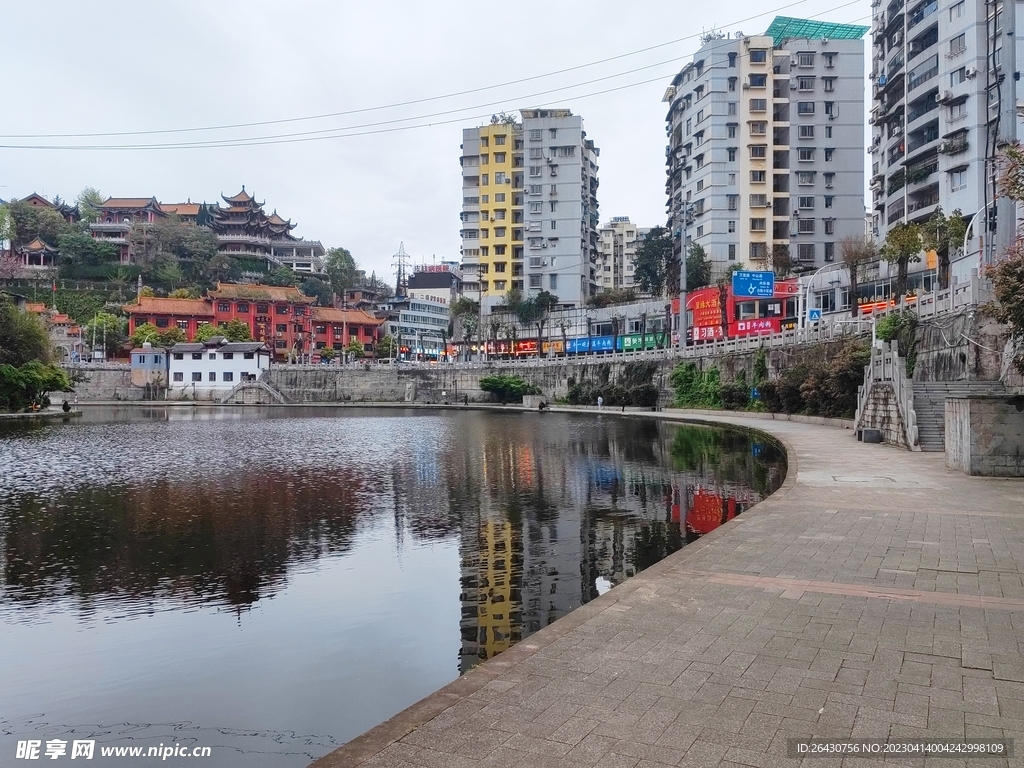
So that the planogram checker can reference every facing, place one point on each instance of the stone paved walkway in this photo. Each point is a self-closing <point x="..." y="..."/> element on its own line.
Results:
<point x="876" y="595"/>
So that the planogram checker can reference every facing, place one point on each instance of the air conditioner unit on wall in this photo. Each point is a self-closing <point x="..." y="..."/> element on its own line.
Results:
<point x="970" y="72"/>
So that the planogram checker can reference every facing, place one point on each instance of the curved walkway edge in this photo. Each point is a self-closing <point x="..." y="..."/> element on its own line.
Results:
<point x="876" y="595"/>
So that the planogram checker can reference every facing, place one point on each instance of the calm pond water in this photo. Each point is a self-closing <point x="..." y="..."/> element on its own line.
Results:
<point x="273" y="582"/>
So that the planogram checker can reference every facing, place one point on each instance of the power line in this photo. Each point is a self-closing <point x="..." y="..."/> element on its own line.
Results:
<point x="354" y="131"/>
<point x="404" y="103"/>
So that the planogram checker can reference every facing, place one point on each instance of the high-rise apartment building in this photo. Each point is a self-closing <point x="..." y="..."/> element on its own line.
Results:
<point x="766" y="145"/>
<point x="942" y="96"/>
<point x="616" y="250"/>
<point x="529" y="208"/>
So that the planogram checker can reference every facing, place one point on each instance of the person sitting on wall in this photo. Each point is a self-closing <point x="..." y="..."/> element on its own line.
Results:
<point x="543" y="406"/>
<point x="66" y="406"/>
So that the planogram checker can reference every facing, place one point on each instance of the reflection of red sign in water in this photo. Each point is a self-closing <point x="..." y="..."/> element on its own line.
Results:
<point x="709" y="511"/>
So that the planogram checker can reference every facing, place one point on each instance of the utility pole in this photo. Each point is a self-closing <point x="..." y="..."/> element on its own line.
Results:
<point x="401" y="264"/>
<point x="687" y="210"/>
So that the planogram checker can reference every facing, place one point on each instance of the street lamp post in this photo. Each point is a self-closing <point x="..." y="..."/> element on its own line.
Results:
<point x="805" y="294"/>
<point x="687" y="211"/>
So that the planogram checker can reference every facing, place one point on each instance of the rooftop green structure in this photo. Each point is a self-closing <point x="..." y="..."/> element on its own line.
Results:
<point x="787" y="28"/>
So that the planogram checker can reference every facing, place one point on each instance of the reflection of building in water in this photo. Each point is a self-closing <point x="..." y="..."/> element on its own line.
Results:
<point x="491" y="591"/>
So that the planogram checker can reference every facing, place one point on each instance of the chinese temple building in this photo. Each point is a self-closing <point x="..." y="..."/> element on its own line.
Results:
<point x="116" y="217"/>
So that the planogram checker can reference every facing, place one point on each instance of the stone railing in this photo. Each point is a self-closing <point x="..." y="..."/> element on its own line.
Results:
<point x="887" y="368"/>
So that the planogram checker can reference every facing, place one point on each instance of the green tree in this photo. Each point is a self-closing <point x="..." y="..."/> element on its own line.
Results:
<point x="207" y="331"/>
<point x="387" y="347"/>
<point x="29" y="383"/>
<point x="282" y="276"/>
<point x="341" y="270"/>
<point x="80" y="248"/>
<point x="107" y="330"/>
<point x="902" y="246"/>
<point x="236" y="330"/>
<point x="612" y="297"/>
<point x="944" y="235"/>
<point x="782" y="260"/>
<point x="32" y="221"/>
<point x="143" y="333"/>
<point x="221" y="268"/>
<point x="652" y="261"/>
<point x="22" y="336"/>
<point x="698" y="268"/>
<point x="327" y="353"/>
<point x="184" y="293"/>
<point x="89" y="201"/>
<point x="312" y="286"/>
<point x="855" y="253"/>
<point x="168" y="337"/>
<point x="355" y="349"/>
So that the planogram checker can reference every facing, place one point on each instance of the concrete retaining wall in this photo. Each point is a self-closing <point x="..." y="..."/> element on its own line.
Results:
<point x="882" y="412"/>
<point x="985" y="436"/>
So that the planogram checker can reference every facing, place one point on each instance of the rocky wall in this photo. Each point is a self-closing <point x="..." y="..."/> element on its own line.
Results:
<point x="985" y="435"/>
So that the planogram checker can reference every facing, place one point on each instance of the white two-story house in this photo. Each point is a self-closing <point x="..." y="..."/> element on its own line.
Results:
<point x="209" y="370"/>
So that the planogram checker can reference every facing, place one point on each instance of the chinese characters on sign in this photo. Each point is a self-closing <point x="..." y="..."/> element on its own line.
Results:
<point x="55" y="748"/>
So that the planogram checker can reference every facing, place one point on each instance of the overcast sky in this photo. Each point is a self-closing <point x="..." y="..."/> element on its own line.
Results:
<point x="102" y="67"/>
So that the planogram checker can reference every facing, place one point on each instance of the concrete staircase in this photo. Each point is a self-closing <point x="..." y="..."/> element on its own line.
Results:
<point x="930" y="406"/>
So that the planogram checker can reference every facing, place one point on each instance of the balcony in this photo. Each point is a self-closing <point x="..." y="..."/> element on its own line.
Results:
<point x="922" y="74"/>
<point x="895" y="216"/>
<point x="953" y="146"/>
<point x="921" y="13"/>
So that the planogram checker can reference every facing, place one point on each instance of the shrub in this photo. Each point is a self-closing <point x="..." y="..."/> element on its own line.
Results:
<point x="695" y="388"/>
<point x="508" y="388"/>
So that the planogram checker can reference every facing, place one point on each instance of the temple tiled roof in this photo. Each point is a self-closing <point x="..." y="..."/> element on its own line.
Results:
<point x="354" y="316"/>
<point x="182" y="209"/>
<point x="260" y="293"/>
<point x="38" y="244"/>
<point x="153" y="305"/>
<point x="129" y="202"/>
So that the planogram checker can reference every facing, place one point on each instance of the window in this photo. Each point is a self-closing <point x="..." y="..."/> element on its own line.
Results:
<point x="828" y="131"/>
<point x="281" y="327"/>
<point x="553" y="169"/>
<point x="958" y="110"/>
<point x="535" y="206"/>
<point x="957" y="10"/>
<point x="828" y="201"/>
<point x="758" y="251"/>
<point x="535" y="281"/>
<point x="806" y="154"/>
<point x="757" y="225"/>
<point x="262" y="309"/>
<point x="700" y="115"/>
<point x="828" y="154"/>
<point x="536" y="153"/>
<point x="829" y="59"/>
<point x="807" y="203"/>
<point x="805" y="107"/>
<point x="732" y="107"/>
<point x="733" y="202"/>
<point x="758" y="81"/>
<point x="732" y="131"/>
<point x="805" y="59"/>
<point x="223" y="306"/>
<point x="242" y="306"/>
<point x="732" y="84"/>
<point x="179" y="376"/>
<point x="700" y="231"/>
<point x="806" y="131"/>
<point x="758" y="201"/>
<point x="212" y="376"/>
<point x="732" y="60"/>
<point x="805" y="177"/>
<point x="699" y="159"/>
<point x="732" y="227"/>
<point x="830" y="226"/>
<point x="805" y="226"/>
<point x="196" y="376"/>
<point x="248" y="355"/>
<point x="213" y="355"/>
<point x="700" y="184"/>
<point x="957" y="76"/>
<point x="554" y="132"/>
<point x="689" y="127"/>
<point x="484" y="141"/>
<point x="732" y="251"/>
<point x="732" y="153"/>
<point x="758" y="105"/>
<point x="958" y="180"/>
<point x="162" y="322"/>
<point x="499" y="157"/>
<point x="757" y="177"/>
<point x="535" y="171"/>
<point x="535" y="134"/>
<point x="758" y="151"/>
<point x="500" y="231"/>
<point x="281" y="309"/>
<point x="485" y="159"/>
<point x="757" y="56"/>
<point x="553" y="281"/>
<point x="758" y="128"/>
<point x="178" y="356"/>
<point x="830" y="251"/>
<point x="805" y="251"/>
<point x="485" y="179"/>
<point x="554" y="224"/>
<point x="231" y="355"/>
<point x="499" y="250"/>
<point x="500" y="140"/>
<point x="828" y="179"/>
<point x="227" y="376"/>
<point x="197" y="355"/>
<point x="732" y="179"/>
<point x="805" y="83"/>
<point x="830" y="108"/>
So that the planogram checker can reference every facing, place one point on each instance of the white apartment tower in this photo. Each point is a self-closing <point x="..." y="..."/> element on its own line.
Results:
<point x="944" y="101"/>
<point x="766" y="145"/>
<point x="529" y="210"/>
<point x="617" y="243"/>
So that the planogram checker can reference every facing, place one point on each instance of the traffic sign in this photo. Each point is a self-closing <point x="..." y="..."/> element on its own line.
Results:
<point x="755" y="285"/>
<point x="814" y="315"/>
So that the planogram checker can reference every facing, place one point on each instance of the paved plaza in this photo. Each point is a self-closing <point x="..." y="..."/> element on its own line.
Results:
<point x="876" y="595"/>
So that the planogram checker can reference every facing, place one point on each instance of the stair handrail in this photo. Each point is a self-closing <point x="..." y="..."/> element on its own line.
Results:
<point x="885" y="366"/>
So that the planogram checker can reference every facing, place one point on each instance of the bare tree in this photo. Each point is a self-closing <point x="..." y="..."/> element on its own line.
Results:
<point x="855" y="252"/>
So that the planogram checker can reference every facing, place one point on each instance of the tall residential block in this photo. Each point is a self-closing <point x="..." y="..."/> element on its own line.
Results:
<point x="529" y="208"/>
<point x="766" y="145"/>
<point x="941" y="98"/>
<point x="616" y="250"/>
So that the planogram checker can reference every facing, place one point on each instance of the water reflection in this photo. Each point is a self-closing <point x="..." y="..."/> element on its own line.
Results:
<point x="342" y="520"/>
